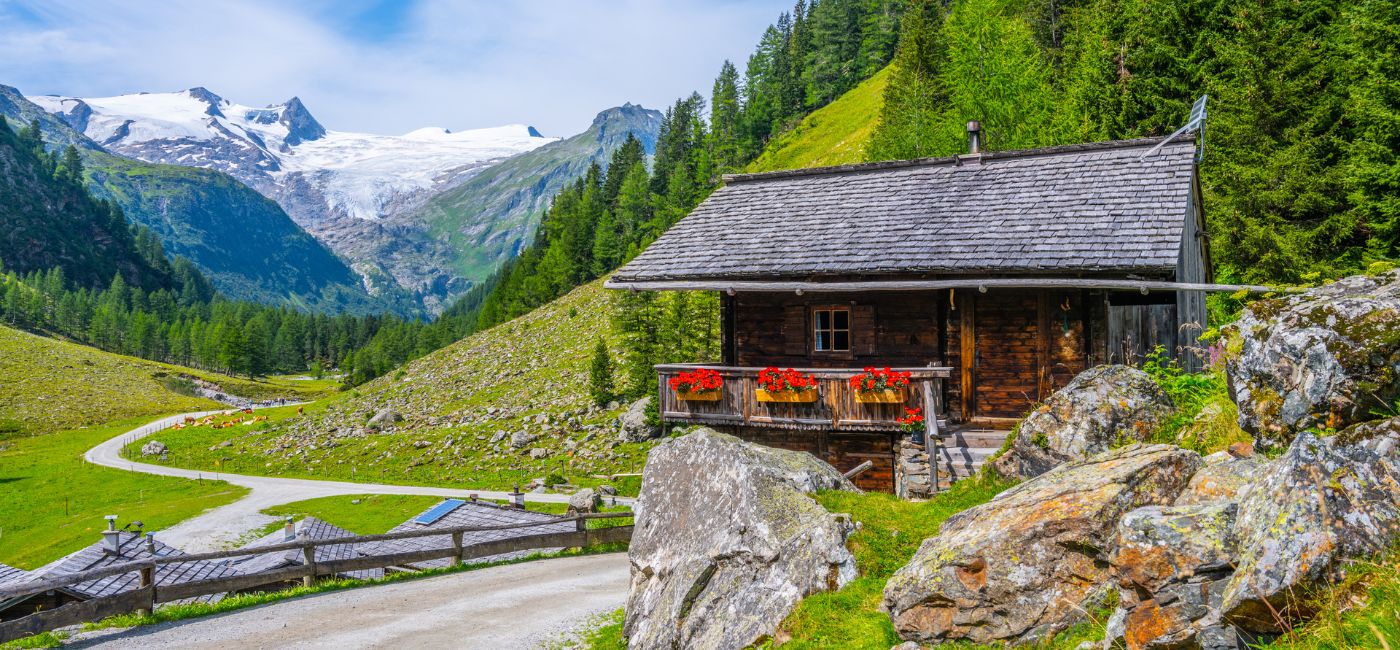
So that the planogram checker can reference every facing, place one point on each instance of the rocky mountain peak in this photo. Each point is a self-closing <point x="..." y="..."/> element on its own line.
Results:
<point x="301" y="126"/>
<point x="213" y="101"/>
<point x="617" y="121"/>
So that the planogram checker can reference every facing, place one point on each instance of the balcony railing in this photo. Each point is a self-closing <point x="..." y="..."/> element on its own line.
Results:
<point x="836" y="407"/>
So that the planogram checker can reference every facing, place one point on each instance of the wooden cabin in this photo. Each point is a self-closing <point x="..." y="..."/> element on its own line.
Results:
<point x="994" y="278"/>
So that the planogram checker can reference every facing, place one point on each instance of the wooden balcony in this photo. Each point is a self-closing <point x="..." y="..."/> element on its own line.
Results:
<point x="836" y="407"/>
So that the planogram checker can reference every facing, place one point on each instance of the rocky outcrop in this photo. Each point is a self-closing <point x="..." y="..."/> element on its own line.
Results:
<point x="1101" y="407"/>
<point x="386" y="417"/>
<point x="633" y="426"/>
<point x="154" y="448"/>
<point x="1033" y="560"/>
<point x="727" y="541"/>
<point x="1325" y="500"/>
<point x="1328" y="357"/>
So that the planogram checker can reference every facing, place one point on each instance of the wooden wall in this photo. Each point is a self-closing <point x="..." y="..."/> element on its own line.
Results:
<point x="1193" y="265"/>
<point x="894" y="328"/>
<point x="843" y="451"/>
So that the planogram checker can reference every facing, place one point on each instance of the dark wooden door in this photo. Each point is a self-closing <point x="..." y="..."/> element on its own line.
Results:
<point x="1006" y="354"/>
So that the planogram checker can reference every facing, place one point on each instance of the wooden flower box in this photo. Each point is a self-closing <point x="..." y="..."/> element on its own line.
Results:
<point x="706" y="396"/>
<point x="806" y="396"/>
<point x="886" y="396"/>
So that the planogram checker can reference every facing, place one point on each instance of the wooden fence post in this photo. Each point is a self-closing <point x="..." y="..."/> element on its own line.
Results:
<point x="148" y="579"/>
<point x="308" y="553"/>
<point x="457" y="546"/>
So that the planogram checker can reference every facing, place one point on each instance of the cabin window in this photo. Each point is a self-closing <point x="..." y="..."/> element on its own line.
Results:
<point x="831" y="330"/>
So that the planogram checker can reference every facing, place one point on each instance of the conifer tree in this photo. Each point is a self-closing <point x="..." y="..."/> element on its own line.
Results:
<point x="910" y="116"/>
<point x="600" y="374"/>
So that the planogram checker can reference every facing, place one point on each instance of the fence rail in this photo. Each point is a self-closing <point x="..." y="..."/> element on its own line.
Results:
<point x="145" y="597"/>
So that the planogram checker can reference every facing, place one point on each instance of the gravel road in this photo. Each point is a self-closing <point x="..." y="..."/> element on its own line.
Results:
<point x="515" y="606"/>
<point x="216" y="529"/>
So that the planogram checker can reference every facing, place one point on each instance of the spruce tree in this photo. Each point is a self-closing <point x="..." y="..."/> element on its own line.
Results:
<point x="600" y="374"/>
<point x="910" y="115"/>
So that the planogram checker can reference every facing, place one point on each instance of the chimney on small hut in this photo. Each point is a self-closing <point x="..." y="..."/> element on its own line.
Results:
<point x="974" y="137"/>
<point x="289" y="531"/>
<point x="151" y="544"/>
<point x="112" y="538"/>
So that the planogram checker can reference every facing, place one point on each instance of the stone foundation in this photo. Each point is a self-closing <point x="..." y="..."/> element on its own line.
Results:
<point x="912" y="479"/>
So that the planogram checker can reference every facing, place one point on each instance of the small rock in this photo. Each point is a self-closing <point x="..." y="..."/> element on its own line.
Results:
<point x="154" y="448"/>
<point x="520" y="439"/>
<point x="585" y="501"/>
<point x="385" y="417"/>
<point x="608" y="490"/>
<point x="539" y="452"/>
<point x="420" y="444"/>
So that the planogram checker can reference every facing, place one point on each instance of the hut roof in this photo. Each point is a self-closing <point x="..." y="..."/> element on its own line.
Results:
<point x="11" y="574"/>
<point x="1090" y="208"/>
<point x="312" y="528"/>
<point x="470" y="513"/>
<point x="133" y="548"/>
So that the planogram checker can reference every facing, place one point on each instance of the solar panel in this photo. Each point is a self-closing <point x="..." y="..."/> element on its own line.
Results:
<point x="438" y="511"/>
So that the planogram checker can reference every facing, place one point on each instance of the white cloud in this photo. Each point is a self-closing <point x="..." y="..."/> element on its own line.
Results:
<point x="456" y="64"/>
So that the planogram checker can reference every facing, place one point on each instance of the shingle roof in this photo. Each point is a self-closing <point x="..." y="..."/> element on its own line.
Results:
<point x="132" y="548"/>
<point x="9" y="573"/>
<point x="1082" y="208"/>
<point x="473" y="514"/>
<point x="315" y="529"/>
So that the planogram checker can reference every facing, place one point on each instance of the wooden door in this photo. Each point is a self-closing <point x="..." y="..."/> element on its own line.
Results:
<point x="1015" y="348"/>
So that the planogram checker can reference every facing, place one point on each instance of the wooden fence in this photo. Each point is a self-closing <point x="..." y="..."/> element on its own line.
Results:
<point x="148" y="594"/>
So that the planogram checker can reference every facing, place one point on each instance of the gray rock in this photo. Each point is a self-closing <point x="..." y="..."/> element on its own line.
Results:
<point x="1101" y="407"/>
<point x="608" y="490"/>
<point x="1324" y="501"/>
<point x="539" y="452"/>
<point x="384" y="418"/>
<point x="728" y="540"/>
<point x="1031" y="561"/>
<point x="585" y="500"/>
<point x="633" y="424"/>
<point x="1324" y="358"/>
<point x="498" y="436"/>
<point x="154" y="448"/>
<point x="520" y="439"/>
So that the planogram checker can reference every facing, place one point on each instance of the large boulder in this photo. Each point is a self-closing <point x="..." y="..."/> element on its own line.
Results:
<point x="154" y="448"/>
<point x="1031" y="561"/>
<point x="585" y="501"/>
<point x="386" y="417"/>
<point x="632" y="424"/>
<point x="1173" y="565"/>
<point x="1101" y="407"/>
<point x="1324" y="501"/>
<point x="728" y="540"/>
<point x="1327" y="357"/>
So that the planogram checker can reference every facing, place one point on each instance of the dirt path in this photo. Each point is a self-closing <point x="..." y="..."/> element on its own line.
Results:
<point x="515" y="606"/>
<point x="217" y="528"/>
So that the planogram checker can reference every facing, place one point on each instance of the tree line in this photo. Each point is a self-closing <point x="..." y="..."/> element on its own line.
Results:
<point x="1300" y="173"/>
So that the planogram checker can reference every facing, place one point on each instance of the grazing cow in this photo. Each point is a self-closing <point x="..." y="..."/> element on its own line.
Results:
<point x="299" y="410"/>
<point x="189" y="419"/>
<point x="247" y="410"/>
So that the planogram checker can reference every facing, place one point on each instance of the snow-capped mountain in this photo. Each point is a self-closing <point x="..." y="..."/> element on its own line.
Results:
<point x="342" y="187"/>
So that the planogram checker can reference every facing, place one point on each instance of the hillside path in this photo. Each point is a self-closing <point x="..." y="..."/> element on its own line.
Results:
<point x="220" y="527"/>
<point x="524" y="605"/>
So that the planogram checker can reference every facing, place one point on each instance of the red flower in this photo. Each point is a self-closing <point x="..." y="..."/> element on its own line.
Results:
<point x="774" y="380"/>
<point x="875" y="379"/>
<point x="700" y="380"/>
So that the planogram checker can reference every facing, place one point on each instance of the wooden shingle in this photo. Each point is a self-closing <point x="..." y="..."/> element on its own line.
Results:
<point x="1093" y="208"/>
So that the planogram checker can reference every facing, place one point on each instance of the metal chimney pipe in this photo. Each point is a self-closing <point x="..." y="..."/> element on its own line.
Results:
<point x="974" y="137"/>
<point x="289" y="531"/>
<point x="151" y="544"/>
<point x="112" y="538"/>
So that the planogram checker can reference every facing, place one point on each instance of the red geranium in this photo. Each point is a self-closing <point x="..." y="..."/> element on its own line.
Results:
<point x="777" y="381"/>
<point x="700" y="380"/>
<point x="912" y="421"/>
<point x="875" y="379"/>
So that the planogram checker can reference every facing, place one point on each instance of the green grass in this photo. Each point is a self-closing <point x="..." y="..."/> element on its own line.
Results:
<point x="454" y="402"/>
<point x="891" y="531"/>
<point x="51" y="385"/>
<point x="1363" y="611"/>
<point x="835" y="134"/>
<point x="54" y="501"/>
<point x="365" y="514"/>
<point x="601" y="633"/>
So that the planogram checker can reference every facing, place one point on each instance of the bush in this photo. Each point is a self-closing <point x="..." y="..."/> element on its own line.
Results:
<point x="555" y="479"/>
<point x="180" y="385"/>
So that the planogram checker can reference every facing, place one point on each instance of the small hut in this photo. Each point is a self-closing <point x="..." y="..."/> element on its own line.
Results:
<point x="991" y="278"/>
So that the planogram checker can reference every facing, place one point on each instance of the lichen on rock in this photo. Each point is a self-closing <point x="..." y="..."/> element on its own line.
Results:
<point x="1100" y="408"/>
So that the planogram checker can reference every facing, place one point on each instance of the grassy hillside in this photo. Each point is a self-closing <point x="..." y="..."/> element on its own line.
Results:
<point x="835" y="134"/>
<point x="460" y="407"/>
<point x="48" y="385"/>
<point x="61" y="499"/>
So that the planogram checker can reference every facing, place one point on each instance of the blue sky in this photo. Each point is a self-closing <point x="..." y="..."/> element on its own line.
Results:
<point x="387" y="67"/>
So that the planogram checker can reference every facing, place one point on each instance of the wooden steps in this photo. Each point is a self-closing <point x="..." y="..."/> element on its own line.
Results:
<point x="962" y="450"/>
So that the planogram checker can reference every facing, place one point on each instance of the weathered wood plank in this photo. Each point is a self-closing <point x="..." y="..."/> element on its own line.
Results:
<point x="76" y="613"/>
<point x="932" y="285"/>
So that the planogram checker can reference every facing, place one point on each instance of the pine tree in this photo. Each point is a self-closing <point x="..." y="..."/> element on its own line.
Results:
<point x="910" y="116"/>
<point x="724" y="119"/>
<point x="600" y="374"/>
